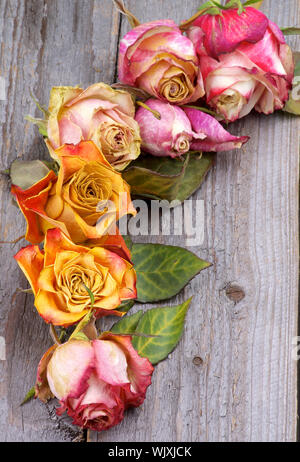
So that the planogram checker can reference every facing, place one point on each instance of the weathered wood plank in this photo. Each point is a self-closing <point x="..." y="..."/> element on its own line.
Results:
<point x="43" y="43"/>
<point x="244" y="386"/>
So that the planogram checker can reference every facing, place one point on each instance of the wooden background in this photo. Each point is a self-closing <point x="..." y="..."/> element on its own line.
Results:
<point x="232" y="377"/>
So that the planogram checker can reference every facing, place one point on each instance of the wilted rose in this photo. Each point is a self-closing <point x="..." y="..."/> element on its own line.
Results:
<point x="62" y="275"/>
<point x="100" y="114"/>
<point x="181" y="130"/>
<point x="94" y="381"/>
<point x="84" y="200"/>
<point x="157" y="58"/>
<point x="244" y="60"/>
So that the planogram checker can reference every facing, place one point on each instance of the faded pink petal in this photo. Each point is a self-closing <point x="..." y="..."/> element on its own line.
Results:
<point x="110" y="362"/>
<point x="69" y="369"/>
<point x="264" y="54"/>
<point x="217" y="138"/>
<point x="133" y="38"/>
<point x="139" y="372"/>
<point x="70" y="133"/>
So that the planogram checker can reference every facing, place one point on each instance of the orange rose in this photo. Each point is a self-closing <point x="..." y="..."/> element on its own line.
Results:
<point x="84" y="200"/>
<point x="60" y="275"/>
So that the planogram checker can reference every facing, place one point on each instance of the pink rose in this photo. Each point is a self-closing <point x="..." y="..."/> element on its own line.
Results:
<point x="244" y="60"/>
<point x="99" y="113"/>
<point x="159" y="59"/>
<point x="182" y="130"/>
<point x="95" y="381"/>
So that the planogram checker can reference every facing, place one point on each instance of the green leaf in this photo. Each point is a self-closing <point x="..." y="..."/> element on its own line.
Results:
<point x="26" y="173"/>
<point x="210" y="8"/>
<point x="28" y="396"/>
<point x="163" y="270"/>
<point x="290" y="30"/>
<point x="166" y="325"/>
<point x="128" y="324"/>
<point x="254" y="3"/>
<point x="166" y="178"/>
<point x="293" y="104"/>
<point x="125" y="306"/>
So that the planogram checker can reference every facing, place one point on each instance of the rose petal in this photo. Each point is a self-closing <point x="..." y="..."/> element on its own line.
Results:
<point x="139" y="370"/>
<point x="69" y="369"/>
<point x="51" y="309"/>
<point x="110" y="362"/>
<point x="217" y="138"/>
<point x="42" y="389"/>
<point x="31" y="261"/>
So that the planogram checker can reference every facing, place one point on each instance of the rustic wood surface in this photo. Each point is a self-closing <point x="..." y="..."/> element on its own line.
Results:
<point x="232" y="377"/>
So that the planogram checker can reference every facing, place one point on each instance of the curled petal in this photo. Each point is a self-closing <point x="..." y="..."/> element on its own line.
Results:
<point x="38" y="196"/>
<point x="264" y="54"/>
<point x="31" y="261"/>
<point x="42" y="389"/>
<point x="139" y="370"/>
<point x="217" y="138"/>
<point x="131" y="41"/>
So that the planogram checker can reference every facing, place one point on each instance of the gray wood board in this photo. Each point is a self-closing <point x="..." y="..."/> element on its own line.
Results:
<point x="245" y="385"/>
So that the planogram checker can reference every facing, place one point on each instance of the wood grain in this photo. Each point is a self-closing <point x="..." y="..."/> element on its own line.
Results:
<point x="232" y="377"/>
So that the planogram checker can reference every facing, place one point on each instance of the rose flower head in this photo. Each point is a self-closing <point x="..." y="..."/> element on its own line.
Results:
<point x="94" y="381"/>
<point x="63" y="275"/>
<point x="180" y="130"/>
<point x="84" y="200"/>
<point x="100" y="114"/>
<point x="244" y="60"/>
<point x="157" y="58"/>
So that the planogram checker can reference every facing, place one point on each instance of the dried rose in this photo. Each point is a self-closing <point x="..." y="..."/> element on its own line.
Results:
<point x="159" y="59"/>
<point x="84" y="200"/>
<point x="62" y="275"/>
<point x="95" y="381"/>
<point x="100" y="114"/>
<point x="244" y="60"/>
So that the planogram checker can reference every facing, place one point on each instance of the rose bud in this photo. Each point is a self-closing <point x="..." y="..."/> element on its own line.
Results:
<point x="169" y="136"/>
<point x="94" y="381"/>
<point x="181" y="130"/>
<point x="100" y="114"/>
<point x="244" y="60"/>
<point x="157" y="58"/>
<point x="62" y="275"/>
<point x="84" y="200"/>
